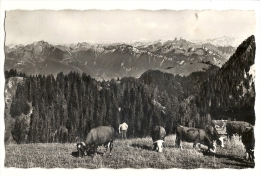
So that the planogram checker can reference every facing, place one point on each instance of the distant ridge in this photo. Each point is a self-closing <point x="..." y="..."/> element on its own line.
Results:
<point x="223" y="41"/>
<point x="106" y="61"/>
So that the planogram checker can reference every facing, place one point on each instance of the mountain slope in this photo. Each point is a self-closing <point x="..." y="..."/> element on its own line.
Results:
<point x="231" y="92"/>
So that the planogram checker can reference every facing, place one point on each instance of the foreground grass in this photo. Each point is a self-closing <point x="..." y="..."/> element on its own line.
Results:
<point x="131" y="153"/>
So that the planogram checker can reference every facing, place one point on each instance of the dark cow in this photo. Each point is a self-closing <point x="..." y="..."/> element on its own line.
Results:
<point x="102" y="135"/>
<point x="219" y="123"/>
<point x="213" y="135"/>
<point x="236" y="127"/>
<point x="158" y="135"/>
<point x="194" y="135"/>
<point x="248" y="139"/>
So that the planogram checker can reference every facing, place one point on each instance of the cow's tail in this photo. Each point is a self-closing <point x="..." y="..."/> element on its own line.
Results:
<point x="177" y="139"/>
<point x="228" y="132"/>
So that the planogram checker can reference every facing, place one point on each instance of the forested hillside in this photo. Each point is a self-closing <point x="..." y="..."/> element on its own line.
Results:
<point x="65" y="108"/>
<point x="230" y="93"/>
<point x="70" y="105"/>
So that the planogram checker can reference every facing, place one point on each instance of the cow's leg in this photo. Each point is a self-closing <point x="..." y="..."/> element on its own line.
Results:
<point x="253" y="155"/>
<point x="111" y="147"/>
<point x="250" y="154"/>
<point x="177" y="142"/>
<point x="95" y="146"/>
<point x="80" y="153"/>
<point x="229" y="135"/>
<point x="194" y="145"/>
<point x="196" y="141"/>
<point x="199" y="145"/>
<point x="154" y="146"/>
<point x="181" y="144"/>
<point x="247" y="155"/>
<point x="84" y="151"/>
<point x="208" y="150"/>
<point x="107" y="146"/>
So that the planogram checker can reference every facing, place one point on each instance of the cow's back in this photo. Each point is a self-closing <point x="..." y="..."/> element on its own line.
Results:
<point x="236" y="126"/>
<point x="158" y="133"/>
<point x="100" y="135"/>
<point x="188" y="134"/>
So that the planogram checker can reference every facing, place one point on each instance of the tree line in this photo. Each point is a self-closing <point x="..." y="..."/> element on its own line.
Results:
<point x="64" y="108"/>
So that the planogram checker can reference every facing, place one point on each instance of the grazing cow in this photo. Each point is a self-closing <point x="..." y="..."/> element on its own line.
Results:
<point x="158" y="135"/>
<point x="236" y="127"/>
<point x="219" y="123"/>
<point x="248" y="139"/>
<point x="102" y="135"/>
<point x="213" y="135"/>
<point x="194" y="135"/>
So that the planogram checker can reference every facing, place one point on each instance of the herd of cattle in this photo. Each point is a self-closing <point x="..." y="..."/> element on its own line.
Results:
<point x="104" y="136"/>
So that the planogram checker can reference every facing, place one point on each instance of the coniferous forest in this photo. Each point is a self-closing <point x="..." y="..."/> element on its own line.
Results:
<point x="66" y="107"/>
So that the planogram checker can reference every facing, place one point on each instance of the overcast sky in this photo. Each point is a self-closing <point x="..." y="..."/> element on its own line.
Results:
<point x="72" y="26"/>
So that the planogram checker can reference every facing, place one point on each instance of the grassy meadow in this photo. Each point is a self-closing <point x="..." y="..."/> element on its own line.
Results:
<point x="130" y="153"/>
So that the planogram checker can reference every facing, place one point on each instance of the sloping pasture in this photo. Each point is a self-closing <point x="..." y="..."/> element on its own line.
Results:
<point x="130" y="153"/>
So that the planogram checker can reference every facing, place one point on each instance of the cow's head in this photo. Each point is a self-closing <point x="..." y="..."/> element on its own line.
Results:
<point x="158" y="145"/>
<point x="213" y="147"/>
<point x="82" y="148"/>
<point x="250" y="155"/>
<point x="212" y="132"/>
<point x="220" y="141"/>
<point x="216" y="126"/>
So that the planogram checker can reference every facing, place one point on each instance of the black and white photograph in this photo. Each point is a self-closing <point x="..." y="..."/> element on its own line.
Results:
<point x="160" y="87"/>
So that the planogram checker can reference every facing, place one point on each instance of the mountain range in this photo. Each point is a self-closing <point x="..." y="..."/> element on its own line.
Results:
<point x="106" y="61"/>
<point x="223" y="41"/>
